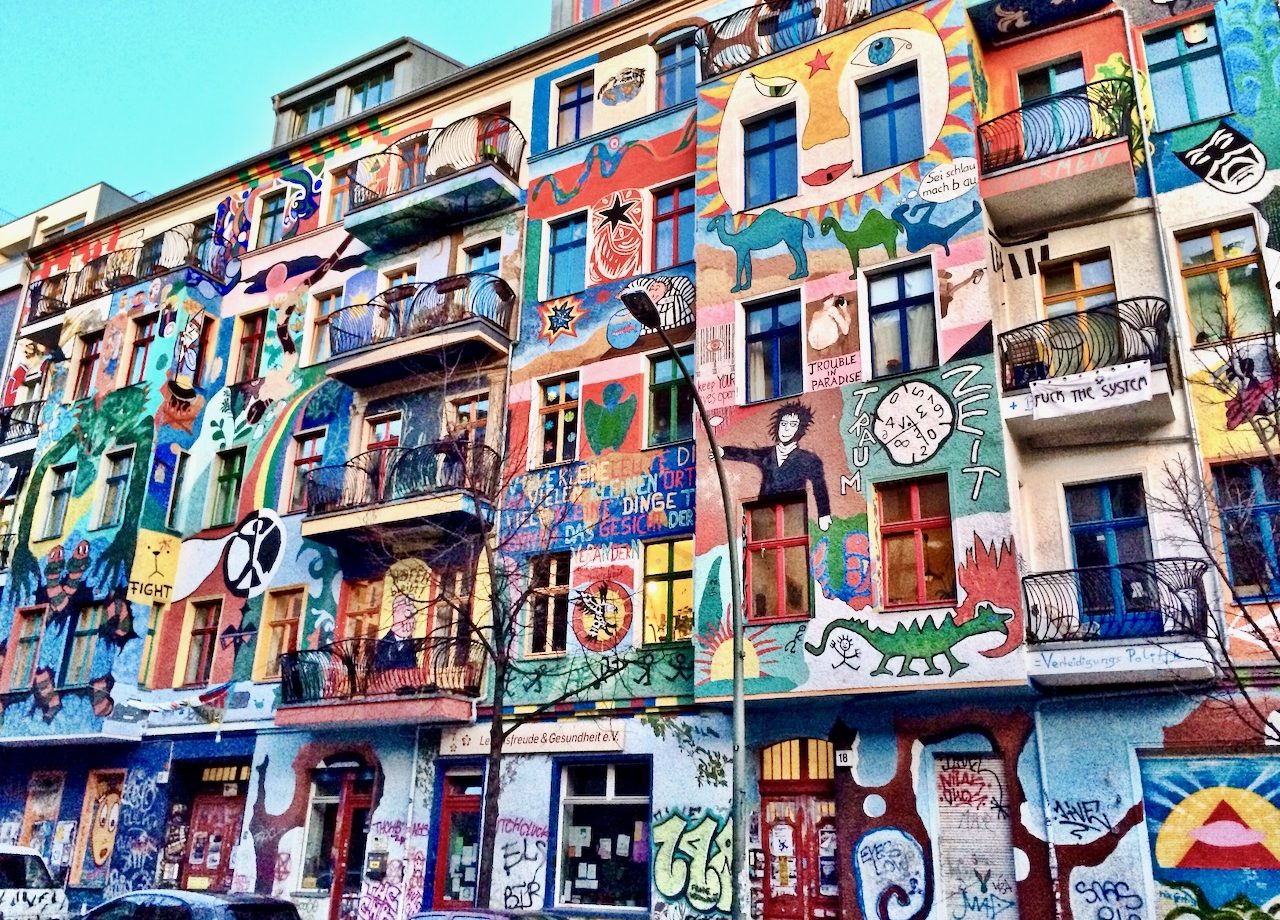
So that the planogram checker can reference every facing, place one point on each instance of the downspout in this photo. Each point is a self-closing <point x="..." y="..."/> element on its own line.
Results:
<point x="406" y="862"/>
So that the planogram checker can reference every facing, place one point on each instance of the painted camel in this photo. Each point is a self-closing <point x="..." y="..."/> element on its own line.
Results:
<point x="771" y="228"/>
<point x="873" y="230"/>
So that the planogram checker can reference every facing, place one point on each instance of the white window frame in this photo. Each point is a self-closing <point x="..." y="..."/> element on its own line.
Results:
<point x="609" y="798"/>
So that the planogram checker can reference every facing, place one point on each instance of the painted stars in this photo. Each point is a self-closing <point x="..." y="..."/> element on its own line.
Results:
<point x="820" y="62"/>
<point x="560" y="317"/>
<point x="617" y="214"/>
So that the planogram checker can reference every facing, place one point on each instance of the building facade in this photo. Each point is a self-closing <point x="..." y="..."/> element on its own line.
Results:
<point x="353" y="449"/>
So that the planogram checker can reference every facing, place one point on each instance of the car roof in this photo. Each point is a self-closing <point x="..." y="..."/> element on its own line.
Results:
<point x="206" y="898"/>
<point x="460" y="913"/>
<point x="19" y="851"/>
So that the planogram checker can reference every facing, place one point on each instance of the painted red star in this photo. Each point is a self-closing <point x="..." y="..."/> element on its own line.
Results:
<point x="819" y="62"/>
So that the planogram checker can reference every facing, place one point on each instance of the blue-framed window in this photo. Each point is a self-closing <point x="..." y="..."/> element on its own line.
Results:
<point x="889" y="119"/>
<point x="903" y="333"/>
<point x="677" y="71"/>
<point x="1248" y="497"/>
<point x="1188" y="81"/>
<point x="602" y="803"/>
<point x="769" y="152"/>
<point x="577" y="105"/>
<point x="567" y="256"/>
<point x="484" y="257"/>
<point x="775" y="366"/>
<point x="1111" y="547"/>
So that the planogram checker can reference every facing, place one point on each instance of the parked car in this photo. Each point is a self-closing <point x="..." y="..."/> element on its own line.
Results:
<point x="476" y="913"/>
<point x="193" y="905"/>
<point x="27" y="889"/>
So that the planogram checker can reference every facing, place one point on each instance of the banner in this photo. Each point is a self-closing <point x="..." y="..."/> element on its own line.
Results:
<point x="1104" y="388"/>
<point x="540" y="737"/>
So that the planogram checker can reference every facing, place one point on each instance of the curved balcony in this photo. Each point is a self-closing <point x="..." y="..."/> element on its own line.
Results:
<point x="767" y="28"/>
<point x="471" y="168"/>
<point x="1096" y="112"/>
<point x="20" y="422"/>
<point x="107" y="273"/>
<point x="48" y="297"/>
<point x="421" y="326"/>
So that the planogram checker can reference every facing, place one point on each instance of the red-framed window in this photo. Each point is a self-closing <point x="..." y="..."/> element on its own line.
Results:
<point x="87" y="366"/>
<point x="777" y="564"/>
<point x="673" y="209"/>
<point x="24" y="643"/>
<point x="253" y="334"/>
<point x="361" y="613"/>
<point x="144" y="333"/>
<point x="917" y="557"/>
<point x="202" y="640"/>
<point x="494" y="135"/>
<point x="308" y="452"/>
<point x="383" y="431"/>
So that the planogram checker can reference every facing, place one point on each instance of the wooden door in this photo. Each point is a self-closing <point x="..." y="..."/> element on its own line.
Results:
<point x="801" y="867"/>
<point x="214" y="829"/>
<point x="458" y="844"/>
<point x="350" y="838"/>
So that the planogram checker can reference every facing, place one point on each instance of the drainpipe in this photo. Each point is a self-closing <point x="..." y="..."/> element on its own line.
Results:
<point x="405" y="862"/>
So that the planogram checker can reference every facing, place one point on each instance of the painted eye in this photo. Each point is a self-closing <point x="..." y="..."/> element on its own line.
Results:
<point x="773" y="87"/>
<point x="879" y="51"/>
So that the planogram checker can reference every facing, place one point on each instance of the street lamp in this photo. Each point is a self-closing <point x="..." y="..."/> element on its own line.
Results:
<point x="643" y="310"/>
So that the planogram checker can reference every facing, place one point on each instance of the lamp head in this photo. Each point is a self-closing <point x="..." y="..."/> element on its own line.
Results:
<point x="642" y="309"/>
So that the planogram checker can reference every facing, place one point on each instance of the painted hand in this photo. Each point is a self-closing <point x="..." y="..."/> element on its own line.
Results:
<point x="824" y="522"/>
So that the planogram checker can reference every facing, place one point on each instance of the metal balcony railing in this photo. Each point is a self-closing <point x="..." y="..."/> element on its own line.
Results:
<point x="48" y="297"/>
<point x="1133" y="329"/>
<point x="435" y="154"/>
<point x="185" y="246"/>
<point x="767" y="28"/>
<point x="1066" y="121"/>
<point x="105" y="274"/>
<point x="388" y="666"/>
<point x="391" y="474"/>
<point x="21" y="421"/>
<point x="1158" y="597"/>
<point x="410" y="309"/>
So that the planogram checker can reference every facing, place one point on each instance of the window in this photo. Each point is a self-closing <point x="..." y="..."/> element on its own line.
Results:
<point x="374" y="89"/>
<point x="28" y="628"/>
<point x="470" y="417"/>
<point x="902" y="320"/>
<point x="175" y="493"/>
<point x="1111" y="548"/>
<point x="253" y="334"/>
<point x="203" y="246"/>
<point x="283" y="623"/>
<point x="226" y="495"/>
<point x="673" y="209"/>
<point x="61" y="481"/>
<point x="670" y="399"/>
<point x="87" y="366"/>
<point x="271" y="221"/>
<point x="144" y="333"/>
<point x="677" y="71"/>
<point x="62" y="230"/>
<point x="308" y="453"/>
<point x="668" y="591"/>
<point x="327" y="304"/>
<point x="1188" y="82"/>
<point x="889" y="117"/>
<point x="1222" y="277"/>
<point x="339" y="193"/>
<point x="549" y="622"/>
<point x="382" y="431"/>
<point x="774" y="364"/>
<point x="559" y="414"/>
<point x="1051" y="79"/>
<point x="115" y="488"/>
<point x="604" y="807"/>
<point x="416" y="152"/>
<point x="1248" y="497"/>
<point x="777" y="563"/>
<point x="82" y="642"/>
<point x="567" y="256"/>
<point x="484" y="257"/>
<point x="316" y="115"/>
<point x="769" y="149"/>
<point x="401" y="276"/>
<point x="577" y="100"/>
<point x="201" y="640"/>
<point x="149" y="258"/>
<point x="915" y="542"/>
<point x="362" y="610"/>
<point x="1078" y="284"/>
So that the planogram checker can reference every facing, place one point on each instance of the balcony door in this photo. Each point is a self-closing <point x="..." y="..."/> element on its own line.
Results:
<point x="382" y="437"/>
<point x="1051" y="121"/>
<point x="798" y="824"/>
<point x="1111" y="546"/>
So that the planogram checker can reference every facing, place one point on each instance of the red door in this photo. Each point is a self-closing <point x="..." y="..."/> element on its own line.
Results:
<point x="800" y="858"/>
<point x="215" y="827"/>
<point x="458" y="843"/>
<point x="350" y="837"/>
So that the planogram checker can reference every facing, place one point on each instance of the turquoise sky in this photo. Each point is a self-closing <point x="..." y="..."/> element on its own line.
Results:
<point x="149" y="94"/>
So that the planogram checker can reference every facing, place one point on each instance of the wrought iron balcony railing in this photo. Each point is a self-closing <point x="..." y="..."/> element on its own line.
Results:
<point x="185" y="246"/>
<point x="1066" y="121"/>
<point x="1158" y="597"/>
<point x="767" y="28"/>
<point x="391" y="474"/>
<point x="1133" y="329"/>
<point x="409" y="309"/>
<point x="21" y="421"/>
<point x="48" y="297"/>
<point x="388" y="666"/>
<point x="107" y="273"/>
<point x="436" y="154"/>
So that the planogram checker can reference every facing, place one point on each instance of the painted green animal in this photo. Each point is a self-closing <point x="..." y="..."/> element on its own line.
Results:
<point x="874" y="230"/>
<point x="920" y="641"/>
<point x="771" y="228"/>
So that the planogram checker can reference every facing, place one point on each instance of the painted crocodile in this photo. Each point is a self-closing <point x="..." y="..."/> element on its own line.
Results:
<point x="921" y="641"/>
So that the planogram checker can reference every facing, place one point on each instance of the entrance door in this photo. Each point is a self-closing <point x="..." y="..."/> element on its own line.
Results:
<point x="798" y="831"/>
<point x="458" y="844"/>
<point x="215" y="826"/>
<point x="351" y="836"/>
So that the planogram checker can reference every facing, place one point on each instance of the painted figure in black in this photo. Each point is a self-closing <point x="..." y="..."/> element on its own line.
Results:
<point x="786" y="467"/>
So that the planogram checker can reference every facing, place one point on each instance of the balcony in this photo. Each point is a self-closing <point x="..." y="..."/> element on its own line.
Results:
<point x="1059" y="156"/>
<point x="47" y="297"/>
<point x="429" y="182"/>
<point x="421" y="328"/>
<point x="1062" y="377"/>
<point x="1132" y="623"/>
<point x="387" y="681"/>
<point x="20" y="422"/>
<point x="438" y="489"/>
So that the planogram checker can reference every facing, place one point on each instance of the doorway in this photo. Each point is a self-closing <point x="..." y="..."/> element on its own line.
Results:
<point x="458" y="843"/>
<point x="798" y="830"/>
<point x="338" y="833"/>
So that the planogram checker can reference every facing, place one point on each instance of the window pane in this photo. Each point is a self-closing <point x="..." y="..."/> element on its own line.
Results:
<point x="895" y="503"/>
<point x="588" y="780"/>
<point x="886" y="343"/>
<point x="656" y="612"/>
<point x="1210" y="86"/>
<point x="761" y="523"/>
<point x="656" y="556"/>
<point x="1084" y="503"/>
<point x="1204" y="298"/>
<point x="933" y="498"/>
<point x="939" y="565"/>
<point x="1238" y="242"/>
<point x="793" y="515"/>
<point x="921" y="337"/>
<point x="1128" y="498"/>
<point x="764" y="583"/>
<point x="797" y="580"/>
<point x="1170" y="97"/>
<point x="1196" y="250"/>
<point x="1250" y="311"/>
<point x="1058" y="279"/>
<point x="1095" y="272"/>
<point x="900" y="569"/>
<point x="1161" y="48"/>
<point x="631" y="779"/>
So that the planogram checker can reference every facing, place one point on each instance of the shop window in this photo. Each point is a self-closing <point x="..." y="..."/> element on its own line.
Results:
<point x="144" y="335"/>
<point x="253" y="336"/>
<point x="670" y="399"/>
<point x="307" y="455"/>
<point x="229" y="476"/>
<point x="889" y="116"/>
<point x="82" y="644"/>
<point x="604" y="818"/>
<point x="777" y="562"/>
<point x="459" y="840"/>
<point x="903" y="333"/>
<point x="673" y="230"/>
<point x="558" y="418"/>
<point x="1188" y="81"/>
<point x="87" y="365"/>
<point x="1248" y="499"/>
<point x="769" y="151"/>
<point x="567" y="256"/>
<point x="115" y="487"/>
<point x="915" y="542"/>
<point x="28" y="628"/>
<point x="61" y="482"/>
<point x="1223" y="280"/>
<point x="281" y="627"/>
<point x="271" y="220"/>
<point x="575" y="110"/>
<point x="775" y="356"/>
<point x="549" y="600"/>
<point x="202" y="635"/>
<point x="668" y="591"/>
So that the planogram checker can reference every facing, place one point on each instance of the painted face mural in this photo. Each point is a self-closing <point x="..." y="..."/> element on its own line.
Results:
<point x="1226" y="160"/>
<point x="106" y="818"/>
<point x="828" y="83"/>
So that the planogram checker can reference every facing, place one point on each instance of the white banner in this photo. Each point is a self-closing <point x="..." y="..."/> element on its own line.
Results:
<point x="539" y="737"/>
<point x="1105" y="388"/>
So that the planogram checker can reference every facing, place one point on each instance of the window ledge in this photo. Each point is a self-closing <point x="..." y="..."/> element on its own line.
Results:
<point x="1209" y="120"/>
<point x="913" y="607"/>
<point x="668" y="444"/>
<point x="672" y="645"/>
<point x="777" y="621"/>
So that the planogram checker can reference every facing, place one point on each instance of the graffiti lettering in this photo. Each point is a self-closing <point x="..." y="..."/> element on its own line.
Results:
<point x="522" y="827"/>
<point x="1080" y="817"/>
<point x="1111" y="900"/>
<point x="691" y="860"/>
<point x="888" y="865"/>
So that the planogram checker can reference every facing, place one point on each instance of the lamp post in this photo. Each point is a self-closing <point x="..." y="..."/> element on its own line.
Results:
<point x="643" y="310"/>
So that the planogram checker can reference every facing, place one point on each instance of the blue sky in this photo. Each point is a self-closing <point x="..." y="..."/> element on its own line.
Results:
<point x="150" y="94"/>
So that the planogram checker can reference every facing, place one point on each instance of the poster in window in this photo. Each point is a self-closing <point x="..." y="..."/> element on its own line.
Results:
<point x="828" y="882"/>
<point x="44" y="800"/>
<point x="782" y="859"/>
<point x="99" y="819"/>
<point x="214" y="859"/>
